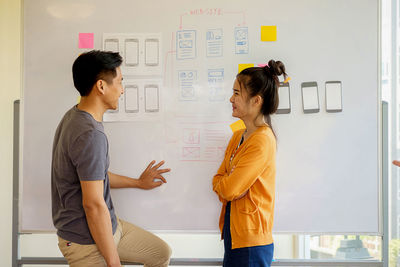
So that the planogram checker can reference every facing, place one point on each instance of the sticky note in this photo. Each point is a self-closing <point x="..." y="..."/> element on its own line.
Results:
<point x="268" y="33"/>
<point x="244" y="66"/>
<point x="238" y="125"/>
<point x="78" y="100"/>
<point x="86" y="40"/>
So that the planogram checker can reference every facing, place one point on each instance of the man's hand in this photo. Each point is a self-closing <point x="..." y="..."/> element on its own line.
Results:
<point x="396" y="162"/>
<point x="147" y="178"/>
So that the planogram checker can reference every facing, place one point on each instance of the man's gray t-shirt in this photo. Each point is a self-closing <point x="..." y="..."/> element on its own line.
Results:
<point x="80" y="153"/>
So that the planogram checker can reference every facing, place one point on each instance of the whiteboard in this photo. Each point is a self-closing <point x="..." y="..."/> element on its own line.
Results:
<point x="328" y="176"/>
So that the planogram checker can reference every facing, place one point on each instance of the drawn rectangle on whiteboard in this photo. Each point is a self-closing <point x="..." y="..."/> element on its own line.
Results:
<point x="215" y="84"/>
<point x="333" y="94"/>
<point x="151" y="98"/>
<point x="111" y="45"/>
<point x="131" y="52"/>
<point x="187" y="78"/>
<point x="131" y="98"/>
<point x="284" y="99"/>
<point x="241" y="40"/>
<point x="151" y="52"/>
<point x="310" y="97"/>
<point x="215" y="43"/>
<point x="186" y="44"/>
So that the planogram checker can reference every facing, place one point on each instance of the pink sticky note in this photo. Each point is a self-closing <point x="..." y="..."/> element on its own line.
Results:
<point x="86" y="40"/>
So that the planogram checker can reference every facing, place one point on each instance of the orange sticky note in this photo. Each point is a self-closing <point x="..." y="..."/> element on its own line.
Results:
<point x="268" y="33"/>
<point x="244" y="66"/>
<point x="237" y="125"/>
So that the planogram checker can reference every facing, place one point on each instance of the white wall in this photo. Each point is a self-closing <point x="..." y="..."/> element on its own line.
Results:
<point x="10" y="84"/>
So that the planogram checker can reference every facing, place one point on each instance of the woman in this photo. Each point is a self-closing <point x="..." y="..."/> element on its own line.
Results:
<point x="245" y="182"/>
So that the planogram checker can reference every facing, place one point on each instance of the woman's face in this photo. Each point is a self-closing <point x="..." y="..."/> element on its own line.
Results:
<point x="240" y="101"/>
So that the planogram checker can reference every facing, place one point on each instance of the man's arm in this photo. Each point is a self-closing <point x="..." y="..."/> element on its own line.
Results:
<point x="145" y="181"/>
<point x="99" y="221"/>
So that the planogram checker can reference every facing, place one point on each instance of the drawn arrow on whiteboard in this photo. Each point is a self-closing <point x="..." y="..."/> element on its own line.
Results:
<point x="180" y="23"/>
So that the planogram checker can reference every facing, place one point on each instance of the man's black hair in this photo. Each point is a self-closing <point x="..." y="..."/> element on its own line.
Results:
<point x="92" y="66"/>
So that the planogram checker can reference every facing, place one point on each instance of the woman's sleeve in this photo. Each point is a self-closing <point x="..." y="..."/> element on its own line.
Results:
<point x="249" y="167"/>
<point x="222" y="171"/>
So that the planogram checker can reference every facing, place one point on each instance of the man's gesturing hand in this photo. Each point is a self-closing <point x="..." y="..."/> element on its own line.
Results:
<point x="151" y="176"/>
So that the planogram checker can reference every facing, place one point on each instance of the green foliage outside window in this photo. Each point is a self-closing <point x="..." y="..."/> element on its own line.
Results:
<point x="394" y="249"/>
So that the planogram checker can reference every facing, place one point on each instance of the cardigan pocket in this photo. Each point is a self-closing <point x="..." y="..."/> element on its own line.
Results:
<point x="249" y="213"/>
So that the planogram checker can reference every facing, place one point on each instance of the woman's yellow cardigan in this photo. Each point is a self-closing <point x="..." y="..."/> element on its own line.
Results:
<point x="252" y="170"/>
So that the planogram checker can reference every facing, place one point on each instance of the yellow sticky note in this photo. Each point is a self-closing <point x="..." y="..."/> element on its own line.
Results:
<point x="268" y="33"/>
<point x="78" y="99"/>
<point x="244" y="66"/>
<point x="238" y="125"/>
<point x="287" y="79"/>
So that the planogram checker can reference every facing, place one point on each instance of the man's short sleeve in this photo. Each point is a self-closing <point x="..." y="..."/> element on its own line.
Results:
<point x="89" y="155"/>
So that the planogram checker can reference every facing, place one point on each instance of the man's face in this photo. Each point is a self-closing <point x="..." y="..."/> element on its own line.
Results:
<point x="114" y="90"/>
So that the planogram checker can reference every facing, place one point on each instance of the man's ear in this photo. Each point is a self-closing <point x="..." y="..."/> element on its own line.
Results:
<point x="100" y="87"/>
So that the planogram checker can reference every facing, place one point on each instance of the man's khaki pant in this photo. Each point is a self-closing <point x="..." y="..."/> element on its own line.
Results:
<point x="133" y="243"/>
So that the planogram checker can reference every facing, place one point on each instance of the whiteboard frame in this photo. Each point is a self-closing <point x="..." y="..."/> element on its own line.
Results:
<point x="379" y="128"/>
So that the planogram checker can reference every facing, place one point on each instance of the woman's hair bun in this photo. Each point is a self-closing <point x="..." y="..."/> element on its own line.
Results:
<point x="276" y="67"/>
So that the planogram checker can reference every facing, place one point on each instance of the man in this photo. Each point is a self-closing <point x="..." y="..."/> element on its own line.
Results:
<point x="89" y="232"/>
